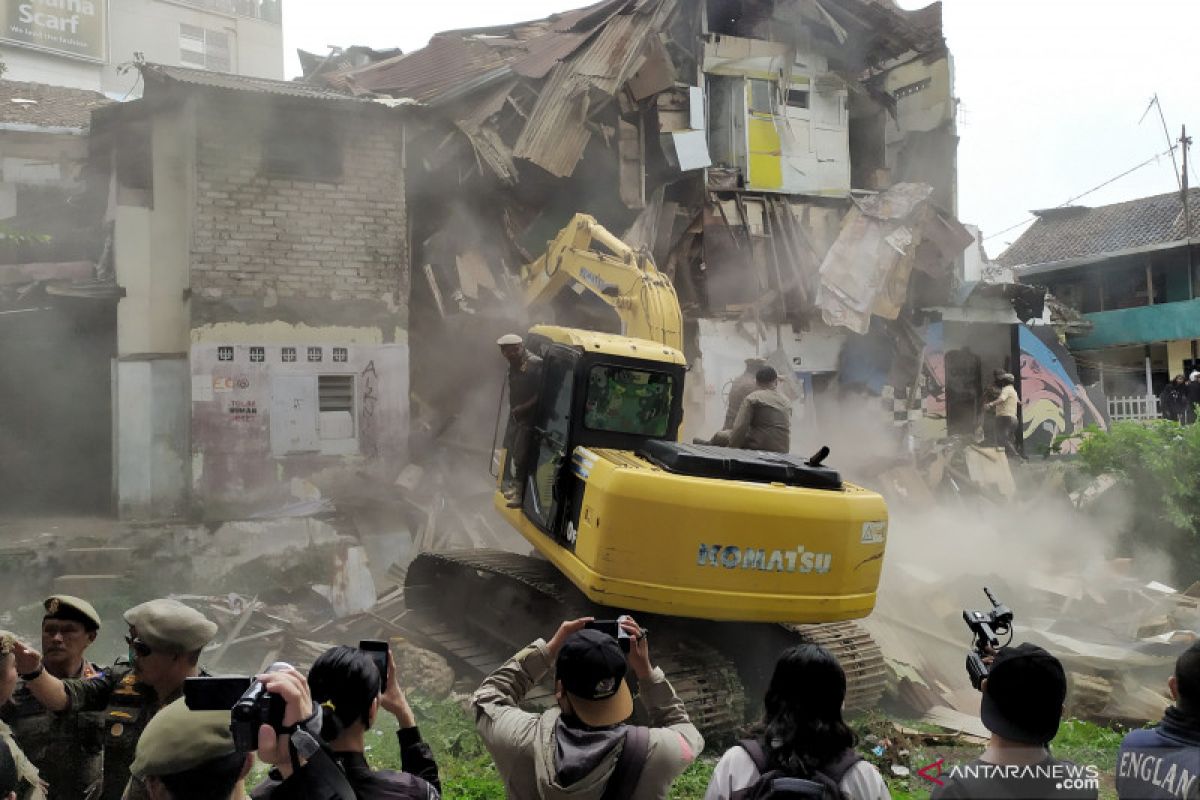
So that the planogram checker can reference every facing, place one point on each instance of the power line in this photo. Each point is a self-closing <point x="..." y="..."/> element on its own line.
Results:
<point x="1094" y="189"/>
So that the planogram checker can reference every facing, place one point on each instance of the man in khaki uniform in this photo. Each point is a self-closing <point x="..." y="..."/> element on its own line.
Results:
<point x="1005" y="409"/>
<point x="570" y="752"/>
<point x="190" y="753"/>
<point x="165" y="639"/>
<point x="743" y="386"/>
<point x="67" y="747"/>
<point x="764" y="422"/>
<point x="28" y="784"/>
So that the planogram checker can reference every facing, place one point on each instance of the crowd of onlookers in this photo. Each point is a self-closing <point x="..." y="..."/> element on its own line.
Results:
<point x="1179" y="399"/>
<point x="73" y="730"/>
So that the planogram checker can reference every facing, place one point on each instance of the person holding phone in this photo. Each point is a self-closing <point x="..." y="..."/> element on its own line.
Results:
<point x="346" y="682"/>
<point x="583" y="749"/>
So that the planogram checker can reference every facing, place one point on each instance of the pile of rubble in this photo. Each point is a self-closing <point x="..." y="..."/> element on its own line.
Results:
<point x="1118" y="642"/>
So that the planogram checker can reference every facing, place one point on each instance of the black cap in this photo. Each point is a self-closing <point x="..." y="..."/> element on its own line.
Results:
<point x="591" y="666"/>
<point x="1024" y="696"/>
<point x="8" y="770"/>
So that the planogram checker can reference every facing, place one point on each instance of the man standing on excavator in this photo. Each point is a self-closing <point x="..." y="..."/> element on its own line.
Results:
<point x="524" y="384"/>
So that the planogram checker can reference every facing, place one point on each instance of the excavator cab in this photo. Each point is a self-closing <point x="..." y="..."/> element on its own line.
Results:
<point x="637" y="520"/>
<point x="592" y="399"/>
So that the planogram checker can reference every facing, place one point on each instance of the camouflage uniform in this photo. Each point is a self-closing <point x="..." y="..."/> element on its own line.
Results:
<point x="66" y="747"/>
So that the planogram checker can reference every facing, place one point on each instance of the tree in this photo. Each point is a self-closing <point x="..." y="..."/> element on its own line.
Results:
<point x="1159" y="462"/>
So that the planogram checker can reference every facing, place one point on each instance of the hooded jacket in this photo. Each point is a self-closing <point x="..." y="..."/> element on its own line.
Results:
<point x="525" y="746"/>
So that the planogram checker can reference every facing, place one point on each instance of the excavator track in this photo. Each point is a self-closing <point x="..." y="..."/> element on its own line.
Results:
<point x="859" y="655"/>
<point x="478" y="607"/>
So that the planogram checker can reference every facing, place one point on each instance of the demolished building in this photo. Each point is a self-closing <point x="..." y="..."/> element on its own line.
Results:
<point x="791" y="164"/>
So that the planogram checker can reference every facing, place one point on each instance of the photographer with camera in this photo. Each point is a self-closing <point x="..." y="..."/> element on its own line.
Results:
<point x="583" y="750"/>
<point x="165" y="639"/>
<point x="346" y="683"/>
<point x="1024" y="691"/>
<point x="1164" y="761"/>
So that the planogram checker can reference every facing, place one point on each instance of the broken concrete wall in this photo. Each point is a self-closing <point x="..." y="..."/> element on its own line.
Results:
<point x="921" y="140"/>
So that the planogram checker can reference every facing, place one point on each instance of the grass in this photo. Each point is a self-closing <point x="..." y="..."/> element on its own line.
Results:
<point x="468" y="773"/>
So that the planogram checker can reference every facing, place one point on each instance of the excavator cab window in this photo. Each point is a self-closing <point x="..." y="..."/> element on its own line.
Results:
<point x="626" y="400"/>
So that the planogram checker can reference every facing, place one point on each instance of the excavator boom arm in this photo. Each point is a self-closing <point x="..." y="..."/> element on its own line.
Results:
<point x="625" y="279"/>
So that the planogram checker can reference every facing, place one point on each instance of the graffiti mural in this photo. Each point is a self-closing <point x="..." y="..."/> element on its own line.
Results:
<point x="1052" y="399"/>
<point x="1054" y="403"/>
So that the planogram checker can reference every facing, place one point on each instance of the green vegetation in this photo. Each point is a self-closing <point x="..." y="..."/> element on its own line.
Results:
<point x="468" y="773"/>
<point x="1157" y="462"/>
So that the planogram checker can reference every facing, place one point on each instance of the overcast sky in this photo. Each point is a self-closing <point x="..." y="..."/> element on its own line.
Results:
<point x="1051" y="91"/>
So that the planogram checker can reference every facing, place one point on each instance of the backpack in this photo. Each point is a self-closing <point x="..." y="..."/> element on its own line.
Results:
<point x="628" y="771"/>
<point x="775" y="784"/>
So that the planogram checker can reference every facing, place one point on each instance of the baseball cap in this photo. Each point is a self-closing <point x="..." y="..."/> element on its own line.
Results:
<point x="1024" y="696"/>
<point x="591" y="666"/>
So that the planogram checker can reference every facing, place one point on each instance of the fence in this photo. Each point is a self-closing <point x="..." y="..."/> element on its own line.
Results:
<point x="1135" y="407"/>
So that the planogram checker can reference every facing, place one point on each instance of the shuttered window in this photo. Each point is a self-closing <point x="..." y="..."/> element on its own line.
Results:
<point x="336" y="393"/>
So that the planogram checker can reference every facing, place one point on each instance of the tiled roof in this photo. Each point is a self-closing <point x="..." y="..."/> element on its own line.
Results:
<point x="1072" y="232"/>
<point x="47" y="106"/>
<point x="244" y="83"/>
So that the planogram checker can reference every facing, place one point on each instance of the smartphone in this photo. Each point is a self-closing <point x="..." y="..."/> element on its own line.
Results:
<point x="611" y="627"/>
<point x="378" y="651"/>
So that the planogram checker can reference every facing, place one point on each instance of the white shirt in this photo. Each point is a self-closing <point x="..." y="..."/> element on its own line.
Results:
<point x="736" y="771"/>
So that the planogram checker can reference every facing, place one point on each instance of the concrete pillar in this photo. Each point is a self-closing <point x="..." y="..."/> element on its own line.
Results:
<point x="1149" y="377"/>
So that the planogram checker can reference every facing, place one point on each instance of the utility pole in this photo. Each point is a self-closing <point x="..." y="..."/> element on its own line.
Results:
<point x="1185" y="143"/>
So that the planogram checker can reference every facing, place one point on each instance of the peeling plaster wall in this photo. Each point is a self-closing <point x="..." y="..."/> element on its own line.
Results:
<point x="256" y="421"/>
<point x="150" y="377"/>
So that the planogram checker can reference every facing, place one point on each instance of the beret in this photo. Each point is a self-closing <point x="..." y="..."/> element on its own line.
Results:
<point x="170" y="625"/>
<point x="68" y="608"/>
<point x="178" y="739"/>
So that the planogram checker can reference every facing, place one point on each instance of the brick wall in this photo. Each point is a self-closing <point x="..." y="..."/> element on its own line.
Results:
<point x="257" y="235"/>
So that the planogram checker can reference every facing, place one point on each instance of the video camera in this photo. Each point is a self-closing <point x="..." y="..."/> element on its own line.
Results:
<point x="248" y="702"/>
<point x="986" y="627"/>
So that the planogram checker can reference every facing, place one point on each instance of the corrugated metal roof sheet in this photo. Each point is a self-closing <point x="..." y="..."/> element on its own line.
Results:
<point x="556" y="134"/>
<point x="241" y="83"/>
<point x="531" y="49"/>
<point x="448" y="60"/>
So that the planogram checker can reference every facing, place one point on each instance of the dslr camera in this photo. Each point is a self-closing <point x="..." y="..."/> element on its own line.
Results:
<point x="248" y="702"/>
<point x="986" y="628"/>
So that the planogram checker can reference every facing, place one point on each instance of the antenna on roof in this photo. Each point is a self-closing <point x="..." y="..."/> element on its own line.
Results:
<point x="1170" y="143"/>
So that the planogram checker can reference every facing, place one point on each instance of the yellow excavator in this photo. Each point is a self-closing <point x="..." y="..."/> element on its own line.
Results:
<point x="729" y="556"/>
